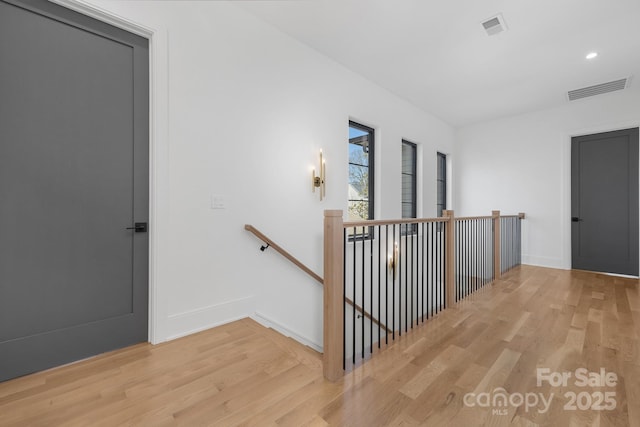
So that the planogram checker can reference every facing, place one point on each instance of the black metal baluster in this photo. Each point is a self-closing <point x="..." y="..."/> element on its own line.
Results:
<point x="433" y="276"/>
<point x="416" y="236"/>
<point x="460" y="278"/>
<point x="436" y="251"/>
<point x="373" y="234"/>
<point x="364" y="237"/>
<point x="455" y="261"/>
<point x="427" y="256"/>
<point x="344" y="292"/>
<point x="502" y="260"/>
<point x="379" y="281"/>
<point x="465" y="272"/>
<point x="481" y="249"/>
<point x="464" y="259"/>
<point x="400" y="259"/>
<point x="493" y="250"/>
<point x="422" y="300"/>
<point x="472" y="247"/>
<point x="489" y="256"/>
<point x="443" y="248"/>
<point x="411" y="272"/>
<point x="502" y="246"/>
<point x="516" y="221"/>
<point x="437" y="232"/>
<point x="474" y="279"/>
<point x="477" y="246"/>
<point x="386" y="285"/>
<point x="472" y="256"/>
<point x="470" y="251"/>
<point x="458" y="261"/>
<point x="443" y="271"/>
<point x="510" y="246"/>
<point x="355" y="266"/>
<point x="484" y="252"/>
<point x="393" y="284"/>
<point x="406" y="279"/>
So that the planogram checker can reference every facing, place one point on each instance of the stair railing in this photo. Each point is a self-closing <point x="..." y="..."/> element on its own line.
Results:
<point x="269" y="243"/>
<point x="403" y="272"/>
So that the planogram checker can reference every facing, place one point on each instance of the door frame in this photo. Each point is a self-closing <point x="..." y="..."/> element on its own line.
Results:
<point x="565" y="209"/>
<point x="158" y="151"/>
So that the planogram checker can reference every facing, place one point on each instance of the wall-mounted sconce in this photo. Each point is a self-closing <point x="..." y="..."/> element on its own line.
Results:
<point x="393" y="259"/>
<point x="318" y="181"/>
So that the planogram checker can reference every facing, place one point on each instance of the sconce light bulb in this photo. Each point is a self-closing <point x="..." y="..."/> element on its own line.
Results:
<point x="319" y="180"/>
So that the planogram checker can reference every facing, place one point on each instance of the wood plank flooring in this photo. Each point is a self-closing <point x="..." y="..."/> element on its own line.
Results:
<point x="474" y="364"/>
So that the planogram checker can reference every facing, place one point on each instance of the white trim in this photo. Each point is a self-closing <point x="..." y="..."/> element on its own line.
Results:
<point x="158" y="180"/>
<point x="270" y="323"/>
<point x="420" y="150"/>
<point x="200" y="319"/>
<point x="158" y="149"/>
<point x="106" y="16"/>
<point x="542" y="261"/>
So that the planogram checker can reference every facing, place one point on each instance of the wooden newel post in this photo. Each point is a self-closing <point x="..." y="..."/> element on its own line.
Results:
<point x="450" y="261"/>
<point x="496" y="244"/>
<point x="333" y="312"/>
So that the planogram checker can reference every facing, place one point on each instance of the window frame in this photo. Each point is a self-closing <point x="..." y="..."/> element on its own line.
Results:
<point x="371" y="178"/>
<point x="441" y="181"/>
<point x="414" y="181"/>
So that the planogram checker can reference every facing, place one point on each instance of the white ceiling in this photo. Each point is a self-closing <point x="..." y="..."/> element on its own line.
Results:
<point x="436" y="54"/>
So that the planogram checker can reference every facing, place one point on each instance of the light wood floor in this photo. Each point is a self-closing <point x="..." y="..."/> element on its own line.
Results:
<point x="244" y="374"/>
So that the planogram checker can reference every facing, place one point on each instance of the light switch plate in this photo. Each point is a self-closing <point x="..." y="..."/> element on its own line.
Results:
<point x="218" y="202"/>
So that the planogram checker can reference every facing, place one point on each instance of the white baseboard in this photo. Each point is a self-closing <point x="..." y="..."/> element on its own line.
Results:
<point x="540" y="261"/>
<point x="190" y="322"/>
<point x="270" y="323"/>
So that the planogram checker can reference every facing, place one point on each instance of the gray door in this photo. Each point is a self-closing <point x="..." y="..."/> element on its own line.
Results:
<point x="604" y="202"/>
<point x="73" y="176"/>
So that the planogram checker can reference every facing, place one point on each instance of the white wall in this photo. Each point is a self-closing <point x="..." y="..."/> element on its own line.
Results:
<point x="522" y="164"/>
<point x="242" y="111"/>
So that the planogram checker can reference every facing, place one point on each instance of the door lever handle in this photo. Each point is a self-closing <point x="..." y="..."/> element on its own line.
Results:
<point x="139" y="227"/>
<point x="576" y="219"/>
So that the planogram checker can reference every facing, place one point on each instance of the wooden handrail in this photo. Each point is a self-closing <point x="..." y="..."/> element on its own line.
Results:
<point x="467" y="218"/>
<point x="471" y="218"/>
<point x="521" y="215"/>
<point x="372" y="222"/>
<point x="307" y="270"/>
<point x="366" y="314"/>
<point x="283" y="252"/>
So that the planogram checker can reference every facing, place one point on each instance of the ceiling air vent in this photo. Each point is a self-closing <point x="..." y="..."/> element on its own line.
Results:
<point x="495" y="25"/>
<point x="598" y="89"/>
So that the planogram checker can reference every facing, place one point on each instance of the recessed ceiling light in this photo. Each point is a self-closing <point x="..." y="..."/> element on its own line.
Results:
<point x="592" y="55"/>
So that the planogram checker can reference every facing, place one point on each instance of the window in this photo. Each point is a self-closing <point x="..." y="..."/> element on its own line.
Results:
<point x="409" y="180"/>
<point x="441" y="203"/>
<point x="409" y="184"/>
<point x="361" y="150"/>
